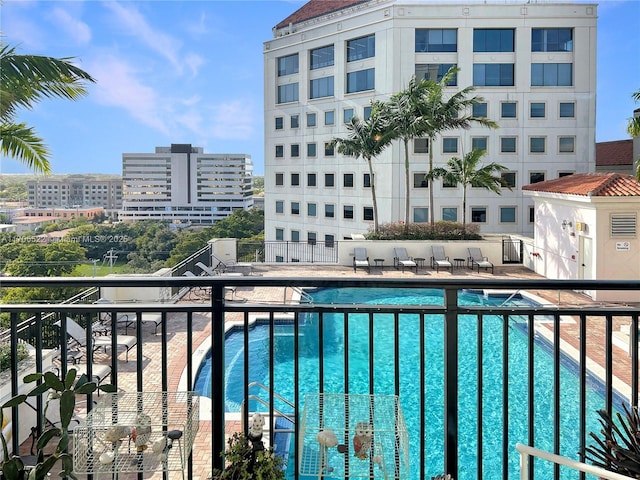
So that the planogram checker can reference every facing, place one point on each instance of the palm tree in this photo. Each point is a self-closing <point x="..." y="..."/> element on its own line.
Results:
<point x="468" y="171"/>
<point x="24" y="80"/>
<point x="633" y="128"/>
<point x="367" y="139"/>
<point x="439" y="115"/>
<point x="405" y="121"/>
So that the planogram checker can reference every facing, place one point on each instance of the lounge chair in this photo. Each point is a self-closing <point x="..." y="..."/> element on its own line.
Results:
<point x="360" y="258"/>
<point x="401" y="258"/>
<point x="79" y="336"/>
<point x="208" y="270"/>
<point x="207" y="290"/>
<point x="439" y="259"/>
<point x="477" y="260"/>
<point x="99" y="371"/>
<point x="245" y="268"/>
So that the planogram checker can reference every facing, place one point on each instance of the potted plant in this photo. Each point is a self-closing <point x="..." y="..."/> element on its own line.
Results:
<point x="63" y="390"/>
<point x="247" y="459"/>
<point x="617" y="448"/>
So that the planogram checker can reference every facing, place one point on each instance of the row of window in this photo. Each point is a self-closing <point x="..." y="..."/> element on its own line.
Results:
<point x="509" y="179"/>
<point x="358" y="81"/>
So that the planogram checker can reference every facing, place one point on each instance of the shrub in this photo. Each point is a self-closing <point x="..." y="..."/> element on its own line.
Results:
<point x="5" y="355"/>
<point x="425" y="231"/>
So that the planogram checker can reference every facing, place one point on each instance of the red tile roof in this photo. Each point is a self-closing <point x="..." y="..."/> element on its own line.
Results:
<point x="619" y="152"/>
<point x="317" y="8"/>
<point x="590" y="184"/>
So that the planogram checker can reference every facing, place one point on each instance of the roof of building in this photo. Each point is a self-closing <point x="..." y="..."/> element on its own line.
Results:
<point x="317" y="8"/>
<point x="618" y="152"/>
<point x="590" y="184"/>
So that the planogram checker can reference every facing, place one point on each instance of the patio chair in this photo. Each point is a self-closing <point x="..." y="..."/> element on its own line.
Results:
<point x="439" y="259"/>
<point x="360" y="259"/>
<point x="99" y="371"/>
<point x="245" y="268"/>
<point x="79" y="336"/>
<point x="477" y="260"/>
<point x="401" y="258"/>
<point x="207" y="290"/>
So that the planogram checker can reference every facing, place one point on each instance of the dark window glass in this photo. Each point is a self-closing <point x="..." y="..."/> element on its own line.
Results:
<point x="329" y="241"/>
<point x="279" y="206"/>
<point x="295" y="179"/>
<point x="493" y="40"/>
<point x="436" y="40"/>
<point x="538" y="110"/>
<point x="311" y="119"/>
<point x="507" y="214"/>
<point x="311" y="149"/>
<point x="329" y="117"/>
<point x="321" y="87"/>
<point x="361" y="80"/>
<point x="295" y="208"/>
<point x="535" y="177"/>
<point x="551" y="74"/>
<point x="537" y="144"/>
<point x="295" y="150"/>
<point x="435" y="72"/>
<point x="279" y="151"/>
<point x="311" y="179"/>
<point x="279" y="234"/>
<point x="532" y="214"/>
<point x="360" y="48"/>
<point x="329" y="180"/>
<point x="479" y="143"/>
<point x="321" y="57"/>
<point x="450" y="145"/>
<point x="348" y="180"/>
<point x="367" y="113"/>
<point x="567" y="110"/>
<point x="508" y="179"/>
<point x="288" y="65"/>
<point x="508" y="110"/>
<point x="329" y="210"/>
<point x="420" y="145"/>
<point x="493" y="74"/>
<point x="478" y="214"/>
<point x="347" y="211"/>
<point x="367" y="213"/>
<point x="279" y="123"/>
<point x="295" y="121"/>
<point x="366" y="180"/>
<point x="288" y="93"/>
<point x="419" y="180"/>
<point x="279" y="178"/>
<point x="329" y="149"/>
<point x="551" y="40"/>
<point x="508" y="144"/>
<point x="311" y="209"/>
<point x="479" y="110"/>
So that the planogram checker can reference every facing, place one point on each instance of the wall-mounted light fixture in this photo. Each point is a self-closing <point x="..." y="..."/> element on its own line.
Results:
<point x="566" y="224"/>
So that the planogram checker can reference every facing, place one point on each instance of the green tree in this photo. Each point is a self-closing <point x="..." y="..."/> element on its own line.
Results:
<point x="25" y="80"/>
<point x="468" y="171"/>
<point x="633" y="128"/>
<point x="241" y="224"/>
<point x="35" y="260"/>
<point x="367" y="139"/>
<point x="440" y="114"/>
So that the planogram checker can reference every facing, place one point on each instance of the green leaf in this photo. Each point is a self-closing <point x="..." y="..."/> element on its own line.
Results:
<point x="88" y="387"/>
<point x="12" y="468"/>
<point x="39" y="390"/>
<point x="52" y="380"/>
<point x="108" y="388"/>
<point x="46" y="437"/>
<point x="32" y="377"/>
<point x="67" y="406"/>
<point x="15" y="401"/>
<point x="70" y="378"/>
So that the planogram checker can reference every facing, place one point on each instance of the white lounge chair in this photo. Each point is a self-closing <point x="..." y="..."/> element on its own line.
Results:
<point x="477" y="260"/>
<point x="207" y="290"/>
<point x="439" y="259"/>
<point x="401" y="258"/>
<point x="79" y="335"/>
<point x="360" y="258"/>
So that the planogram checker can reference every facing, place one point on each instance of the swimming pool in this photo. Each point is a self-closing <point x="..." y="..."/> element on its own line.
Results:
<point x="333" y="355"/>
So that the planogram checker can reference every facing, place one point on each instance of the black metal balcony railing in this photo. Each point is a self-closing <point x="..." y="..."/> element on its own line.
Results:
<point x="181" y="318"/>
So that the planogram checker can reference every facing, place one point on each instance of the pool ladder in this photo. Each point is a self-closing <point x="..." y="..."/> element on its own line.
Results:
<point x="303" y="295"/>
<point x="276" y="411"/>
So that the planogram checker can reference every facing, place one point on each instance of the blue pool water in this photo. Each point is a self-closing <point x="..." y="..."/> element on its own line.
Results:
<point x="383" y="383"/>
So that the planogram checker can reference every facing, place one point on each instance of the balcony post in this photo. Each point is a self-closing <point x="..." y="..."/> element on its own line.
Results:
<point x="217" y="375"/>
<point x="451" y="381"/>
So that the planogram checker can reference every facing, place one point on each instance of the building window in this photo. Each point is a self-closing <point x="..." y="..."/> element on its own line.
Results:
<point x="449" y="214"/>
<point x="295" y="236"/>
<point x="479" y="143"/>
<point x="329" y="180"/>
<point x="420" y="145"/>
<point x="565" y="174"/>
<point x="532" y="214"/>
<point x="321" y="57"/>
<point x="507" y="144"/>
<point x="295" y="208"/>
<point x="450" y="145"/>
<point x="493" y="74"/>
<point x="361" y="80"/>
<point x="329" y="149"/>
<point x="551" y="74"/>
<point x="311" y="179"/>
<point x="279" y="234"/>
<point x="493" y="40"/>
<point x="311" y="149"/>
<point x="567" y="110"/>
<point x="288" y="65"/>
<point x="420" y="215"/>
<point x="321" y="87"/>
<point x="295" y="150"/>
<point x="566" y="144"/>
<point x="311" y="119"/>
<point x="279" y="179"/>
<point x="367" y="213"/>
<point x="508" y="179"/>
<point x="311" y="238"/>
<point x="347" y="180"/>
<point x="508" y="110"/>
<point x="279" y="123"/>
<point x="347" y="211"/>
<point x="537" y="110"/>
<point x="436" y="40"/>
<point x="535" y="177"/>
<point x="479" y="214"/>
<point x="329" y="241"/>
<point x="295" y="179"/>
<point x="279" y="206"/>
<point x="366" y="114"/>
<point x="295" y="121"/>
<point x="507" y="214"/>
<point x="311" y="209"/>
<point x="279" y="151"/>
<point x="329" y="210"/>
<point x="479" y="110"/>
<point x="435" y="72"/>
<point x="551" y="40"/>
<point x="288" y="93"/>
<point x="347" y="115"/>
<point x="419" y="180"/>
<point x="361" y="48"/>
<point x="537" y="144"/>
<point x="366" y="180"/>
<point x="329" y="117"/>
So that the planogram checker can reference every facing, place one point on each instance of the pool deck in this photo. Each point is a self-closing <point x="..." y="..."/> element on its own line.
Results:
<point x="202" y="330"/>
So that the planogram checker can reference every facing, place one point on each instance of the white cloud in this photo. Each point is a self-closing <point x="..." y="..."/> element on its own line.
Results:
<point x="75" y="28"/>
<point x="233" y="120"/>
<point x="194" y="61"/>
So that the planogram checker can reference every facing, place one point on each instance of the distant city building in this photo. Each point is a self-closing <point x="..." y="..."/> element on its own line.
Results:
<point x="185" y="186"/>
<point x="29" y="219"/>
<point x="531" y="62"/>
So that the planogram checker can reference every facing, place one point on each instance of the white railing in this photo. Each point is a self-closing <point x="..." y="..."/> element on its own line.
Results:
<point x="527" y="451"/>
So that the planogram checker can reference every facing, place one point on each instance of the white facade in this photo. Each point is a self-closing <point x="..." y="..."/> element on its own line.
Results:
<point x="313" y="194"/>
<point x="185" y="186"/>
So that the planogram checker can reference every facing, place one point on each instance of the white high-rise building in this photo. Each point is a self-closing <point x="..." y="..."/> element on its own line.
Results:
<point x="185" y="186"/>
<point x="533" y="63"/>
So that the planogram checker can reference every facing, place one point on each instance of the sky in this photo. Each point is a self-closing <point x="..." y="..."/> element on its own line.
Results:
<point x="192" y="72"/>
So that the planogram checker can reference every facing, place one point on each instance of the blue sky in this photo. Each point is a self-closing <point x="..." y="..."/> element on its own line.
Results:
<point x="192" y="72"/>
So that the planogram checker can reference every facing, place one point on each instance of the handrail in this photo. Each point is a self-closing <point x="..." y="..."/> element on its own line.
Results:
<point x="510" y="297"/>
<point x="304" y="295"/>
<point x="267" y="404"/>
<point x="527" y="451"/>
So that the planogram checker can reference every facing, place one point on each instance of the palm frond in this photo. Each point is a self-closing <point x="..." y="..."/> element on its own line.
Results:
<point x="21" y="142"/>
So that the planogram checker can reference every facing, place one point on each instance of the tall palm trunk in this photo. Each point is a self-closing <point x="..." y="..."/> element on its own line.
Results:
<point x="431" y="215"/>
<point x="407" y="189"/>
<point x="373" y="196"/>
